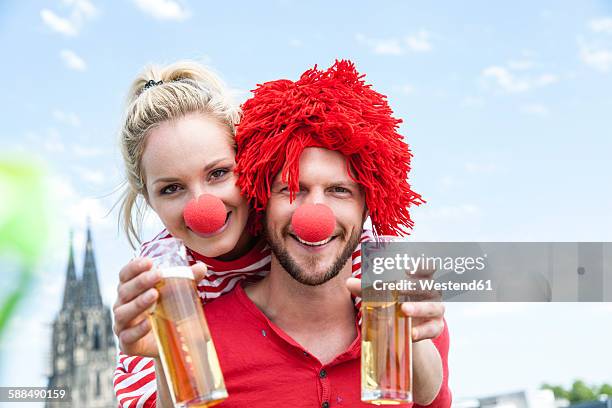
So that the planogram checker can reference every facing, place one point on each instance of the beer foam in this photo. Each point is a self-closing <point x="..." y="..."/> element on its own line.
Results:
<point x="176" y="272"/>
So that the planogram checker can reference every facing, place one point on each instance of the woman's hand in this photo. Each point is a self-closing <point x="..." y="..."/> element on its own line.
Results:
<point x="136" y="294"/>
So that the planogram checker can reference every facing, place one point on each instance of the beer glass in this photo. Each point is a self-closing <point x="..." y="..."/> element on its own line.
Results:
<point x="186" y="349"/>
<point x="386" y="349"/>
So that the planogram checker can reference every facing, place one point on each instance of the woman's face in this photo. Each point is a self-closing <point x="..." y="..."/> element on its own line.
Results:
<point x="184" y="159"/>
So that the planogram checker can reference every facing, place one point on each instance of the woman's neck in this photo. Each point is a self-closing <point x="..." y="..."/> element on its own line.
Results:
<point x="245" y="243"/>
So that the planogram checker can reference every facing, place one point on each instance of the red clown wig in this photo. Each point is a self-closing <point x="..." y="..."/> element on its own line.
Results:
<point x="336" y="110"/>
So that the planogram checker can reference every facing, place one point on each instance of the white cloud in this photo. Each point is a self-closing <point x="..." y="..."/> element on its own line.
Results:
<point x="82" y="9"/>
<point x="54" y="146"/>
<point x="535" y="109"/>
<point x="57" y="23"/>
<point x="506" y="79"/>
<point x="163" y="9"/>
<point x="33" y="332"/>
<point x="84" y="151"/>
<point x="79" y="12"/>
<point x="68" y="118"/>
<point x="53" y="288"/>
<point x="597" y="58"/>
<point x="546" y="79"/>
<point x="53" y="142"/>
<point x="418" y="42"/>
<point x="601" y="25"/>
<point x="91" y="176"/>
<point x="591" y="51"/>
<point x="73" y="208"/>
<point x="16" y="148"/>
<point x="389" y="46"/>
<point x="73" y="61"/>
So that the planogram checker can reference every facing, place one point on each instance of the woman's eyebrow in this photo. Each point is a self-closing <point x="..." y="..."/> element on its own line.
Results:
<point x="164" y="180"/>
<point x="214" y="163"/>
<point x="209" y="166"/>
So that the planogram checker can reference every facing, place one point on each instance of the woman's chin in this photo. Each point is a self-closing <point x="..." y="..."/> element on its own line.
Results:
<point x="211" y="249"/>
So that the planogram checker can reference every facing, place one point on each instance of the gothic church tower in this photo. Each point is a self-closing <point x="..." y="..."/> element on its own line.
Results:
<point x="83" y="354"/>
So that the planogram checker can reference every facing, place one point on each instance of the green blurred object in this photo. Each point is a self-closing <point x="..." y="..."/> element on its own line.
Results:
<point x="579" y="391"/>
<point x="24" y="225"/>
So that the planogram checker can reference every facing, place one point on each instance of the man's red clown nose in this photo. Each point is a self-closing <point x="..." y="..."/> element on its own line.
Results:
<point x="205" y="214"/>
<point x="313" y="222"/>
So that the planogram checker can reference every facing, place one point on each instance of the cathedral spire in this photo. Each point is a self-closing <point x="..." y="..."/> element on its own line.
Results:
<point x="90" y="289"/>
<point x="71" y="287"/>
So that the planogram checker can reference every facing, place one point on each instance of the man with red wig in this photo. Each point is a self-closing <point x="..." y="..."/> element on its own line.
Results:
<point x="315" y="158"/>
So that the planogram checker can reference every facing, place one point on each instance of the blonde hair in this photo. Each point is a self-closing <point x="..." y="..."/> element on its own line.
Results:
<point x="186" y="87"/>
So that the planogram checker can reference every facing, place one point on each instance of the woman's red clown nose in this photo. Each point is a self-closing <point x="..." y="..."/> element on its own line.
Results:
<point x="313" y="222"/>
<point x="205" y="214"/>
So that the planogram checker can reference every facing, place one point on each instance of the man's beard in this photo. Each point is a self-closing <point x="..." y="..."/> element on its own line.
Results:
<point x="297" y="273"/>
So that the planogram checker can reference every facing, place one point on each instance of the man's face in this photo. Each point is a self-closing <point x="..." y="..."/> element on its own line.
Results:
<point x="323" y="180"/>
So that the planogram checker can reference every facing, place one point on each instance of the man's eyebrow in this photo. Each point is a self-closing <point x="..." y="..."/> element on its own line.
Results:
<point x="343" y="183"/>
<point x="208" y="167"/>
<point x="334" y="183"/>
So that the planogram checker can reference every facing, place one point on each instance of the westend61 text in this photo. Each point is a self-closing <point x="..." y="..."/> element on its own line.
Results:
<point x="430" y="284"/>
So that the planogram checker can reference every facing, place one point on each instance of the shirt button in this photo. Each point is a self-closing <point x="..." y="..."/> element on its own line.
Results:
<point x="325" y="405"/>
<point x="323" y="373"/>
<point x="305" y="354"/>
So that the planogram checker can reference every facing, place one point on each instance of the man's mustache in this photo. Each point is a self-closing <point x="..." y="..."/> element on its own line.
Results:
<point x="338" y="232"/>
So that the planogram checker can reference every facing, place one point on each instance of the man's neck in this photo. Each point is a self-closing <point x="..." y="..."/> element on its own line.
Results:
<point x="320" y="318"/>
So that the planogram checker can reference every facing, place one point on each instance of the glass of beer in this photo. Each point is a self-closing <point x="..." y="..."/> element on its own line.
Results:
<point x="386" y="349"/>
<point x="186" y="348"/>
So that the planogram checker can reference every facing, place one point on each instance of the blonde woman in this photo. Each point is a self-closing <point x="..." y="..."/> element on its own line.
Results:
<point x="177" y="140"/>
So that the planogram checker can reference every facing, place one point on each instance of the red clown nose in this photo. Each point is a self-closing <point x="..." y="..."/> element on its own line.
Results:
<point x="313" y="222"/>
<point x="205" y="214"/>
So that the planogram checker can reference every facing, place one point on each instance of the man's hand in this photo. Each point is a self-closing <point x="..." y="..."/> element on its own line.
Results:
<point x="136" y="294"/>
<point x="427" y="314"/>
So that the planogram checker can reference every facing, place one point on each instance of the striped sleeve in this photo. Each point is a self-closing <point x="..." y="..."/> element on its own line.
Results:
<point x="134" y="377"/>
<point x="366" y="236"/>
<point x="134" y="382"/>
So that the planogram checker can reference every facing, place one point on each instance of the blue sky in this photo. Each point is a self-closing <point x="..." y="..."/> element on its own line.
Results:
<point x="506" y="109"/>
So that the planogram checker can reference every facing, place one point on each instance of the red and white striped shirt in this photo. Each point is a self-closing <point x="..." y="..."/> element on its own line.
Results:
<point x="134" y="378"/>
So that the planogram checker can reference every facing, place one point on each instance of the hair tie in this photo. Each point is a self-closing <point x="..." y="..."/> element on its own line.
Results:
<point x="151" y="83"/>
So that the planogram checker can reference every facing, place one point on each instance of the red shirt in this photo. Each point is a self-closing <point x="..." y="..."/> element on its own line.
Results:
<point x="263" y="367"/>
<point x="134" y="378"/>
